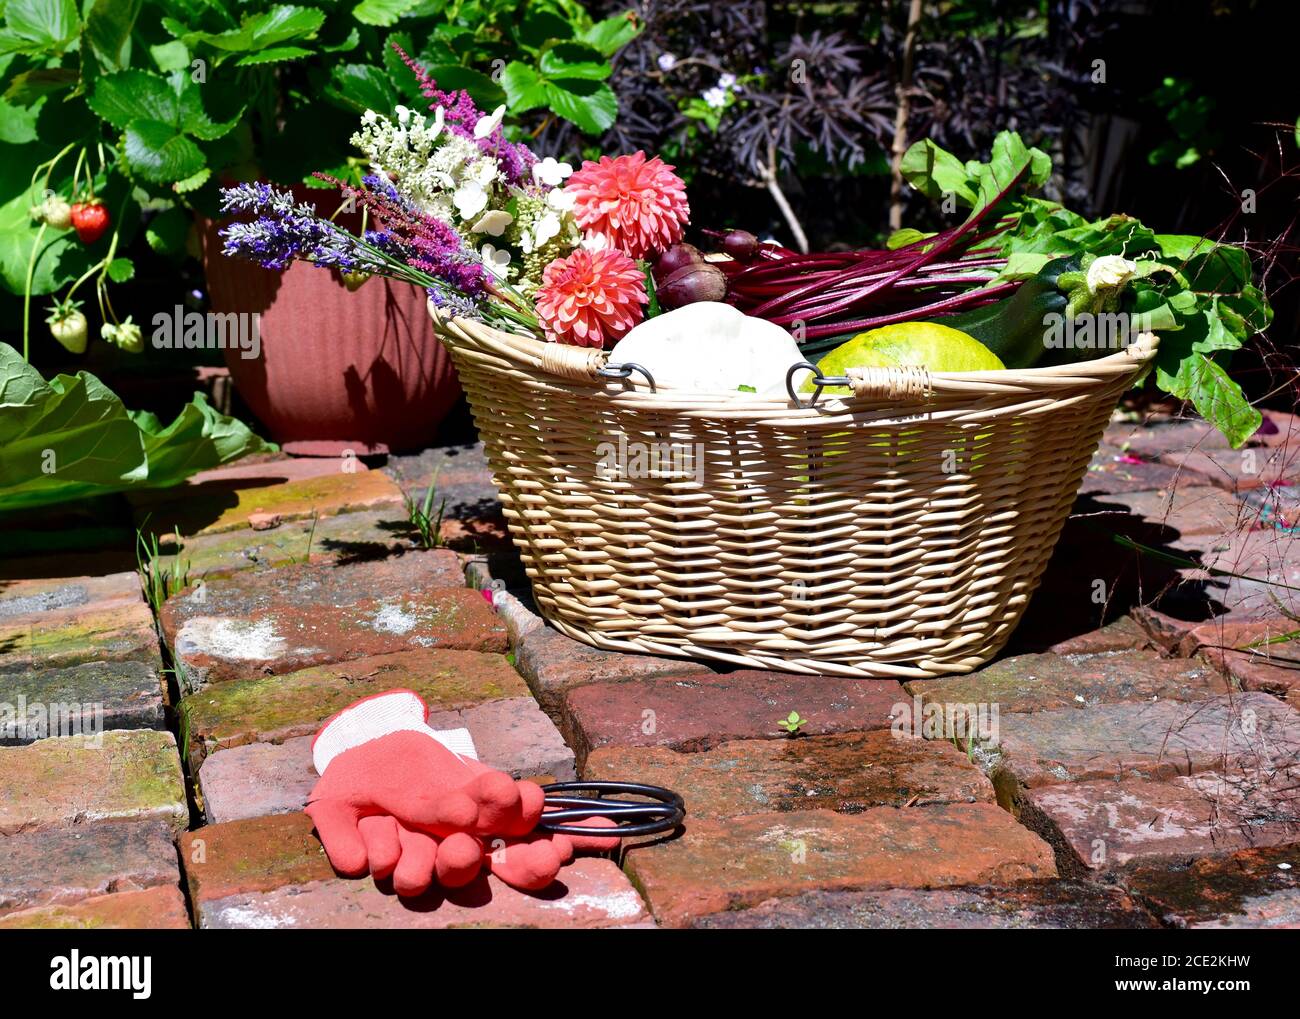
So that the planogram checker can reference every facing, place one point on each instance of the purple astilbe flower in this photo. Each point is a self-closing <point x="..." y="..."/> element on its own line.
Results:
<point x="284" y="230"/>
<point x="460" y="114"/>
<point x="422" y="242"/>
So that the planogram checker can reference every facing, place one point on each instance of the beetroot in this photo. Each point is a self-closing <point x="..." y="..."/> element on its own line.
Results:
<point x="692" y="283"/>
<point x="740" y="245"/>
<point x="676" y="257"/>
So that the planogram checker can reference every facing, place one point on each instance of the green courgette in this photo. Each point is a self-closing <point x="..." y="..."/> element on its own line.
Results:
<point x="1014" y="327"/>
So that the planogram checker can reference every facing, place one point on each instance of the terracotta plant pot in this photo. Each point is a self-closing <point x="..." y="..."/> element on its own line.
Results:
<point x="338" y="370"/>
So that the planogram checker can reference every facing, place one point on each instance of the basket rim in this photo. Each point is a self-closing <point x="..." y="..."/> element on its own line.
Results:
<point x="568" y="364"/>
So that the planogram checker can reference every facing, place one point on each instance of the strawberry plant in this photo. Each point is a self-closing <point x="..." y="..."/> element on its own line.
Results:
<point x="120" y="113"/>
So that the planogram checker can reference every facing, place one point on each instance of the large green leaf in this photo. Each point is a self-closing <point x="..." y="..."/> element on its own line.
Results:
<point x="540" y="26"/>
<point x="382" y="12"/>
<point x="108" y="29"/>
<point x="574" y="60"/>
<point x="525" y="88"/>
<point x="160" y="153"/>
<point x="51" y="24"/>
<point x="1201" y="379"/>
<point x="280" y="24"/>
<point x="591" y="105"/>
<point x="71" y="438"/>
<point x="361" y="87"/>
<point x="133" y="94"/>
<point x="612" y="34"/>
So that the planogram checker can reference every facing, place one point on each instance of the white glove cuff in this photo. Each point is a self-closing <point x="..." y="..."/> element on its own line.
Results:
<point x="399" y="711"/>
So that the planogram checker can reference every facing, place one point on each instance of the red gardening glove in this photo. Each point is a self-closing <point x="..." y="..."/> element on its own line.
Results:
<point x="380" y="757"/>
<point x="416" y="860"/>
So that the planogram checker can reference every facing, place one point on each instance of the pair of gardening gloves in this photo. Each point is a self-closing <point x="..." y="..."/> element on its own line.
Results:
<point x="401" y="800"/>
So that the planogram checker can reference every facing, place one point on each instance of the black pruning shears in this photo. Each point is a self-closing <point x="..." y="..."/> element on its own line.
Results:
<point x="656" y="809"/>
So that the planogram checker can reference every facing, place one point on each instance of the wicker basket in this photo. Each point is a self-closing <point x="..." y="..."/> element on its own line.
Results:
<point x="898" y="532"/>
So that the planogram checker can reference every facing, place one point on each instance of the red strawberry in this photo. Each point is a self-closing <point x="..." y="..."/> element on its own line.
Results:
<point x="90" y="220"/>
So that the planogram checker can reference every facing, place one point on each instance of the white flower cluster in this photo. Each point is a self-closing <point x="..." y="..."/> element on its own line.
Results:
<point x="440" y="173"/>
<point x="446" y="175"/>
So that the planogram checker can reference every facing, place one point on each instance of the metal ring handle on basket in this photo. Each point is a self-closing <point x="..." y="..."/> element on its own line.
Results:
<point x="586" y="364"/>
<point x="894" y="383"/>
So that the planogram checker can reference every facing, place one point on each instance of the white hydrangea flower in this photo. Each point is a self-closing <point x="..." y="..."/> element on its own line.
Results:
<point x="493" y="222"/>
<point x="489" y="123"/>
<point x="727" y="80"/>
<point x="666" y="61"/>
<point x="547" y="226"/>
<point x="550" y="172"/>
<point x="470" y="199"/>
<point x="559" y="200"/>
<point x="496" y="260"/>
<point x="485" y="171"/>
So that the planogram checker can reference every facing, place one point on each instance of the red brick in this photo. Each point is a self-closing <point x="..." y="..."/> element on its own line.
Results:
<point x="44" y="595"/>
<point x="255" y="855"/>
<point x="1048" y="682"/>
<point x="589" y="893"/>
<point x="66" y="865"/>
<point x="848" y="773"/>
<point x="553" y="663"/>
<point x="257" y="779"/>
<point x="272" y="872"/>
<point x="1271" y="668"/>
<point x="269" y="623"/>
<point x="1250" y="888"/>
<point x="727" y="865"/>
<point x="273" y="709"/>
<point x="1158" y="740"/>
<point x="85" y="698"/>
<point x="268" y="471"/>
<point x="217" y="506"/>
<point x="351" y="537"/>
<point x="1101" y="825"/>
<point x="114" y="630"/>
<point x="1124" y="634"/>
<point x="698" y="711"/>
<point x="161" y="908"/>
<point x="1033" y="905"/>
<point x="122" y="775"/>
<point x="1186" y="510"/>
<point x="1113" y="470"/>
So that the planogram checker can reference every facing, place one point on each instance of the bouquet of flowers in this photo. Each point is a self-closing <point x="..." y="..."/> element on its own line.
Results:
<point x="491" y="231"/>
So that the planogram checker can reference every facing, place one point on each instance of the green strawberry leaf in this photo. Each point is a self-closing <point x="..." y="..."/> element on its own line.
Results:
<point x="129" y="95"/>
<point x="592" y="106"/>
<point x="159" y="153"/>
<point x="524" y="87"/>
<point x="612" y="34"/>
<point x="573" y="60"/>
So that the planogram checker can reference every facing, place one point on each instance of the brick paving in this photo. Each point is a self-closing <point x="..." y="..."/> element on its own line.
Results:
<point x="1130" y="761"/>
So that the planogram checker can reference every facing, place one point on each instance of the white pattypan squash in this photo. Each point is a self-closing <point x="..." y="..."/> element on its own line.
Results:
<point x="711" y="347"/>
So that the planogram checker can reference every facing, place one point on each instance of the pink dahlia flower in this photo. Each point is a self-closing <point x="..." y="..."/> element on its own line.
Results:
<point x="638" y="205"/>
<point x="590" y="296"/>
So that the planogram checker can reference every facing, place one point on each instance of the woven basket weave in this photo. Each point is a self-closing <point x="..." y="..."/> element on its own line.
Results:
<point x="898" y="532"/>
